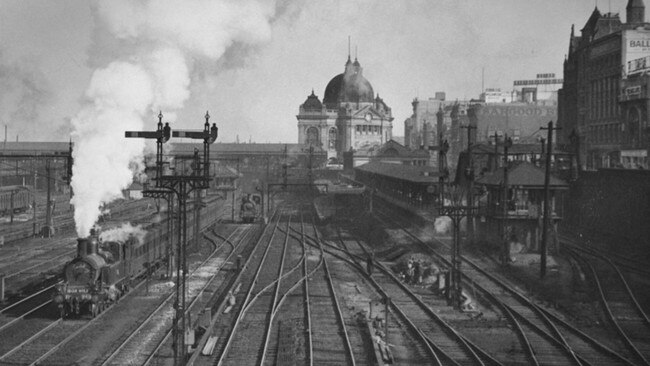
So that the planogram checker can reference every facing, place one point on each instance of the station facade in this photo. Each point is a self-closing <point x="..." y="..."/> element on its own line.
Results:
<point x="349" y="118"/>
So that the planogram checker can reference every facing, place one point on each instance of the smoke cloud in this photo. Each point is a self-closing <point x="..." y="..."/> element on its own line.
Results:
<point x="25" y="91"/>
<point x="442" y="225"/>
<point x="151" y="70"/>
<point x="123" y="232"/>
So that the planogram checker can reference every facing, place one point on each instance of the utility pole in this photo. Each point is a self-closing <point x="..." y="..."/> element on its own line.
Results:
<point x="442" y="168"/>
<point x="47" y="230"/>
<point x="170" y="232"/>
<point x="198" y="203"/>
<point x="470" y="183"/>
<point x="234" y="192"/>
<point x="284" y="168"/>
<point x="547" y="180"/>
<point x="495" y="161"/>
<point x="507" y="142"/>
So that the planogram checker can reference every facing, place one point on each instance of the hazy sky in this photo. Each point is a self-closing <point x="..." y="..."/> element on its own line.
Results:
<point x="257" y="71"/>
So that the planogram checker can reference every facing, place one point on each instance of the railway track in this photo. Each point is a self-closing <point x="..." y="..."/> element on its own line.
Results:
<point x="45" y="336"/>
<point x="245" y="342"/>
<point x="618" y="302"/>
<point x="16" y="312"/>
<point x="142" y="345"/>
<point x="448" y="343"/>
<point x="214" y="292"/>
<point x="331" y="340"/>
<point x="545" y="336"/>
<point x="286" y="344"/>
<point x="408" y="344"/>
<point x="633" y="265"/>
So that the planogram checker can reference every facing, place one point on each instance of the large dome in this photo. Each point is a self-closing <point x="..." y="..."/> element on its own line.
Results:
<point x="349" y="86"/>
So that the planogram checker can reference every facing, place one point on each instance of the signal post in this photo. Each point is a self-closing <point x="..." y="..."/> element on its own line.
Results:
<point x="181" y="186"/>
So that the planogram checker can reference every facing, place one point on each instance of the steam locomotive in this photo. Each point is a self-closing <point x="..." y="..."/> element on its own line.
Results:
<point x="250" y="210"/>
<point x="101" y="272"/>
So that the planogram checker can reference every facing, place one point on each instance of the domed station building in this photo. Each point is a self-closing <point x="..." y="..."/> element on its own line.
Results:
<point x="350" y="117"/>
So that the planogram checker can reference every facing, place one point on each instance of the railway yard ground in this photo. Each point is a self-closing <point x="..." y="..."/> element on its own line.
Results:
<point x="302" y="291"/>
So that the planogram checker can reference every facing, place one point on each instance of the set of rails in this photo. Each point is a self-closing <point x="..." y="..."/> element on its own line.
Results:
<point x="29" y="329"/>
<point x="279" y="316"/>
<point x="153" y="337"/>
<point x="430" y="339"/>
<point x="618" y="302"/>
<point x="545" y="337"/>
<point x="51" y="341"/>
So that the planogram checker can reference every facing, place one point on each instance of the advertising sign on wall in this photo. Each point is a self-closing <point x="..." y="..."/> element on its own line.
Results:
<point x="517" y="120"/>
<point x="635" y="51"/>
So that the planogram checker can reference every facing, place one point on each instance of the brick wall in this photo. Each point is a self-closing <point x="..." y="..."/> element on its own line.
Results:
<point x="611" y="204"/>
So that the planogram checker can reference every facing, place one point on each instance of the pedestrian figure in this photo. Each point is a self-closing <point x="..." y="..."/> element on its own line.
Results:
<point x="409" y="271"/>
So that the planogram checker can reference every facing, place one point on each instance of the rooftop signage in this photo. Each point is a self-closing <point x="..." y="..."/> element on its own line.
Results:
<point x="539" y="81"/>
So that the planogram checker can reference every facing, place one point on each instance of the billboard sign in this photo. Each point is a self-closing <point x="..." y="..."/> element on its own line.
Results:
<point x="636" y="51"/>
<point x="515" y="119"/>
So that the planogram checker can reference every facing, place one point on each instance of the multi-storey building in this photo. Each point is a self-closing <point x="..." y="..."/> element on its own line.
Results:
<point x="350" y="117"/>
<point x="422" y="128"/>
<point x="603" y="104"/>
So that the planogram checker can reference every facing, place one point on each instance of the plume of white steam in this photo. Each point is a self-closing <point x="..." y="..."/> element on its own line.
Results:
<point x="123" y="232"/>
<point x="442" y="224"/>
<point x="163" y="36"/>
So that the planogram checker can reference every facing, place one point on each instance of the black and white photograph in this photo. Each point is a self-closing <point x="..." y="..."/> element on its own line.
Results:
<point x="331" y="182"/>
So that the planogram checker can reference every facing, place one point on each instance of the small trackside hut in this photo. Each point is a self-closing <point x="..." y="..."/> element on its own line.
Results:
<point x="524" y="207"/>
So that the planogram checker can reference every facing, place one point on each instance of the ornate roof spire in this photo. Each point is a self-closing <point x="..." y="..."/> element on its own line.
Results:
<point x="635" y="12"/>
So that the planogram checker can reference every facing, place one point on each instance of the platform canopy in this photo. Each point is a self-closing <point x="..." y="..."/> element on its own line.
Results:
<point x="522" y="174"/>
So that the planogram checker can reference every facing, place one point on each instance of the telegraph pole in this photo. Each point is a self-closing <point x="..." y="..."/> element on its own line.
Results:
<point x="470" y="182"/>
<point x="284" y="168"/>
<point x="547" y="180"/>
<point x="47" y="232"/>
<point x="496" y="151"/>
<point x="507" y="142"/>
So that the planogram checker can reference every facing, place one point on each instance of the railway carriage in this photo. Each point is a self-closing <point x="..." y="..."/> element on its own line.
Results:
<point x="16" y="198"/>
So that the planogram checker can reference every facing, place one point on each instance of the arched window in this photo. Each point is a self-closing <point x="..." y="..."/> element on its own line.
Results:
<point x="312" y="136"/>
<point x="332" y="138"/>
<point x="634" y="121"/>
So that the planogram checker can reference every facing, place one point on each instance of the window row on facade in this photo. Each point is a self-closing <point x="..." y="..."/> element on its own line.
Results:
<point x="604" y="98"/>
<point x="368" y="130"/>
<point x="604" y="133"/>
